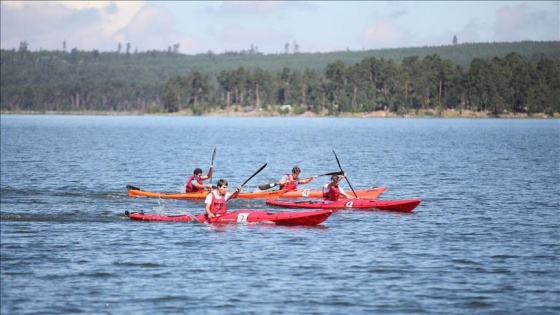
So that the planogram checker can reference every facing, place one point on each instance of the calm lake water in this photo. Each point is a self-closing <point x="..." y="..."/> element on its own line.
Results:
<point x="484" y="240"/>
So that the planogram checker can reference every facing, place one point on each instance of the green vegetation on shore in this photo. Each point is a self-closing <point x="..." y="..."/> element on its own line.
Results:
<point x="495" y="79"/>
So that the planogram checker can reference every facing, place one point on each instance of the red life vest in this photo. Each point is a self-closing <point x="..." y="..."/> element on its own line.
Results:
<point x="332" y="194"/>
<point x="291" y="184"/>
<point x="190" y="187"/>
<point x="218" y="203"/>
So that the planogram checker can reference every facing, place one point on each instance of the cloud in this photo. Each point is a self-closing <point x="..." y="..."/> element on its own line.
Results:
<point x="36" y="22"/>
<point x="386" y="30"/>
<point x="250" y="7"/>
<point x="154" y="28"/>
<point x="510" y="20"/>
<point x="383" y="34"/>
<point x="269" y="25"/>
<point x="521" y="22"/>
<point x="470" y="33"/>
<point x="85" y="25"/>
<point x="260" y="8"/>
<point x="151" y="28"/>
<point x="237" y="37"/>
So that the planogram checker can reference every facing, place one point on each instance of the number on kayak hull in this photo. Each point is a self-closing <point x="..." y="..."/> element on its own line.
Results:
<point x="242" y="217"/>
<point x="305" y="193"/>
<point x="349" y="204"/>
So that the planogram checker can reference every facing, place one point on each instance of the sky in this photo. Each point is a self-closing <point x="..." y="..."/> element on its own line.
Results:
<point x="271" y="27"/>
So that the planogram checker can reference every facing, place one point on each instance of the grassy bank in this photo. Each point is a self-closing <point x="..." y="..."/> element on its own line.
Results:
<point x="238" y="112"/>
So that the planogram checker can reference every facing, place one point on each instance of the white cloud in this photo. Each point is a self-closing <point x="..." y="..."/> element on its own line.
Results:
<point x="383" y="34"/>
<point x="521" y="22"/>
<point x="234" y="25"/>
<point x="150" y="28"/>
<point x="262" y="8"/>
<point x="85" y="25"/>
<point x="237" y="37"/>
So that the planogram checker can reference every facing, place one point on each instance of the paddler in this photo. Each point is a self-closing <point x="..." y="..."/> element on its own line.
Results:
<point x="216" y="200"/>
<point x="290" y="181"/>
<point x="332" y="191"/>
<point x="195" y="184"/>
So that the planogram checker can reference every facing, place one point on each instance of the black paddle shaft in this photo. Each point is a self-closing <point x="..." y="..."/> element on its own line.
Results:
<point x="270" y="185"/>
<point x="337" y="161"/>
<point x="245" y="182"/>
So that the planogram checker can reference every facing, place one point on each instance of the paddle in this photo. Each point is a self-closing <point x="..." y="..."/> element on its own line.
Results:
<point x="270" y="185"/>
<point x="337" y="161"/>
<point x="245" y="182"/>
<point x="213" y="156"/>
<point x="132" y="187"/>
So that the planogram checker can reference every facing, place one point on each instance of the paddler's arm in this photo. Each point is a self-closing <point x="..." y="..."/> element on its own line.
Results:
<point x="208" y="175"/>
<point x="307" y="180"/>
<point x="347" y="196"/>
<point x="203" y="186"/>
<point x="342" y="192"/>
<point x="236" y="193"/>
<point x="283" y="180"/>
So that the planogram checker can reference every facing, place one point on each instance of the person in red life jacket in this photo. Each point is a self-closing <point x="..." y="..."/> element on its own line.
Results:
<point x="332" y="191"/>
<point x="195" y="184"/>
<point x="290" y="181"/>
<point x="216" y="200"/>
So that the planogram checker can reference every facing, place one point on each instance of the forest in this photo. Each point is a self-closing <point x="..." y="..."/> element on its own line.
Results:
<point x="497" y="78"/>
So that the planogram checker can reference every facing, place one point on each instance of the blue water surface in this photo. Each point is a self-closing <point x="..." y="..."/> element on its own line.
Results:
<point x="484" y="240"/>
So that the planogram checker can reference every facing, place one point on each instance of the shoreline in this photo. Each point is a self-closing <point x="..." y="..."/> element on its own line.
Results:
<point x="238" y="113"/>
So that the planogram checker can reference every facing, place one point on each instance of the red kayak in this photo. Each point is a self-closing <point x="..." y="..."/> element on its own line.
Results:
<point x="242" y="216"/>
<point x="389" y="205"/>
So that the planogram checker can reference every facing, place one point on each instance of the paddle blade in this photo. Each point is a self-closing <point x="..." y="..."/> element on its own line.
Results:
<point x="132" y="187"/>
<point x="337" y="161"/>
<point x="332" y="173"/>
<point x="267" y="186"/>
<point x="213" y="156"/>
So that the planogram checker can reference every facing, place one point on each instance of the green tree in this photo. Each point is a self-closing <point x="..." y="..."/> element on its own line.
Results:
<point x="334" y="82"/>
<point x="199" y="87"/>
<point x="412" y="81"/>
<point x="174" y="93"/>
<point x="226" y="82"/>
<point x="262" y="86"/>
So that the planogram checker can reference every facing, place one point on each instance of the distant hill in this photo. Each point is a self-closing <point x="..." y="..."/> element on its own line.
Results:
<point x="169" y="64"/>
<point x="130" y="80"/>
<point x="461" y="54"/>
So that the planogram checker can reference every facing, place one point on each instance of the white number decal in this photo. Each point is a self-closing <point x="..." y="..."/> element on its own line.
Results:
<point x="349" y="204"/>
<point x="305" y="193"/>
<point x="242" y="217"/>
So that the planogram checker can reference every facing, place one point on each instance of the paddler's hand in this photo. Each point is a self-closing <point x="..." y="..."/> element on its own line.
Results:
<point x="210" y="215"/>
<point x="239" y="188"/>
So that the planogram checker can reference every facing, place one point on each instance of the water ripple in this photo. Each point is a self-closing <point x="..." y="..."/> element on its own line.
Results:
<point x="484" y="240"/>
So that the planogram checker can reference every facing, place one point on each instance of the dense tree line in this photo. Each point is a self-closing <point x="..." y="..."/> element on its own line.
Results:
<point x="524" y="80"/>
<point x="500" y="85"/>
